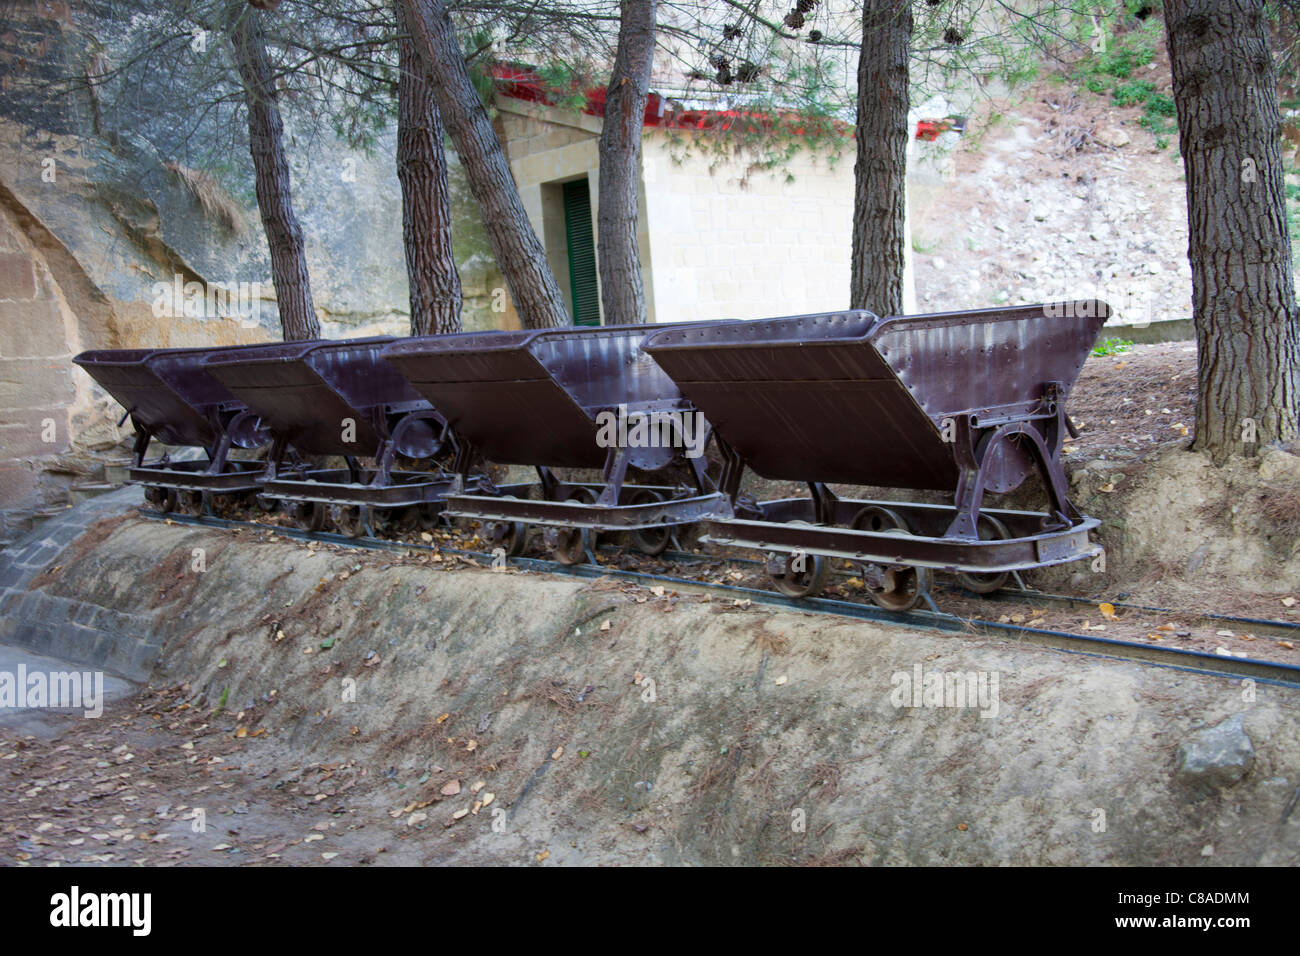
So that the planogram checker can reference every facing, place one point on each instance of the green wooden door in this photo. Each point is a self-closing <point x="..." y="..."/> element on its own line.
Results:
<point x="582" y="253"/>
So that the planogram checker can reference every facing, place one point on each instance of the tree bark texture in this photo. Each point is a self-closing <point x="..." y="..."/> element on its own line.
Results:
<point x="519" y="253"/>
<point x="435" y="291"/>
<point x="622" y="292"/>
<point x="284" y="237"/>
<point x="880" y="170"/>
<point x="1243" y="293"/>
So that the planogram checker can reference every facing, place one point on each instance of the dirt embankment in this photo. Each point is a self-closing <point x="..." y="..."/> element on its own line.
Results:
<point x="1178" y="530"/>
<point x="379" y="709"/>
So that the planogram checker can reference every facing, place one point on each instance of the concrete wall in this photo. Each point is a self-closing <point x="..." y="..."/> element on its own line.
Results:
<point x="726" y="250"/>
<point x="716" y="241"/>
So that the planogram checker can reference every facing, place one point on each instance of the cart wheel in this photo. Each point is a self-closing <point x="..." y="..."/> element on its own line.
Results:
<point x="878" y="518"/>
<point x="572" y="545"/>
<point x="808" y="581"/>
<point x="902" y="586"/>
<point x="990" y="529"/>
<point x="651" y="541"/>
<point x="307" y="515"/>
<point x="585" y="496"/>
<point x="348" y="519"/>
<point x="511" y="536"/>
<point x="190" y="502"/>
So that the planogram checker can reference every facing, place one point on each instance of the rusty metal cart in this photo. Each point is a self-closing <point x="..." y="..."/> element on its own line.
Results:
<point x="339" y="399"/>
<point x="170" y="398"/>
<point x="969" y="403"/>
<point x="565" y="398"/>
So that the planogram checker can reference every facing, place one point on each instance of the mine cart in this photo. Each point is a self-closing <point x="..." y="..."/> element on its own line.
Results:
<point x="581" y="398"/>
<point x="171" y="398"/>
<point x="338" y="399"/>
<point x="966" y="403"/>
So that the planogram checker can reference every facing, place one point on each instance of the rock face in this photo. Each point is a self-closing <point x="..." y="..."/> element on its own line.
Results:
<point x="1216" y="757"/>
<point x="94" y="222"/>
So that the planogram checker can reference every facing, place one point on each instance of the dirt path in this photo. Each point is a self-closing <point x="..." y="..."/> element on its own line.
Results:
<point x="158" y="782"/>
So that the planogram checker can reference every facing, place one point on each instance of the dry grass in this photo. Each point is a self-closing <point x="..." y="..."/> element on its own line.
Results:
<point x="769" y="643"/>
<point x="214" y="200"/>
<point x="1074" y="132"/>
<point x="1280" y="509"/>
<point x="714" y="786"/>
<point x="849" y="856"/>
<point x="825" y="780"/>
<point x="552" y="691"/>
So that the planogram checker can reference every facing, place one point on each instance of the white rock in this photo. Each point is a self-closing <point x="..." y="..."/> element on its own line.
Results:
<point x="1111" y="136"/>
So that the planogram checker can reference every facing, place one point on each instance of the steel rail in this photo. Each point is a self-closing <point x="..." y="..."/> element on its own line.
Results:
<point x="1198" y="662"/>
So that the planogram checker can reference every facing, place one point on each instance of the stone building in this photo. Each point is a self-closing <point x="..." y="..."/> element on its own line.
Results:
<point x="717" y="240"/>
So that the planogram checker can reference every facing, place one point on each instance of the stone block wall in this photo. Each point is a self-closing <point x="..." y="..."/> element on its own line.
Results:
<point x="37" y="391"/>
<point x="723" y="249"/>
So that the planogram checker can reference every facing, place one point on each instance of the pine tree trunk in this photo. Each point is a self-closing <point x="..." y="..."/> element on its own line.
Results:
<point x="1243" y="293"/>
<point x="518" y="251"/>
<point x="880" y="171"/>
<point x="426" y="201"/>
<point x="284" y="237"/>
<point x="621" y="289"/>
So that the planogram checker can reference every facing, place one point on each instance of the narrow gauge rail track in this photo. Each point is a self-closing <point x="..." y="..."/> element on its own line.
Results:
<point x="1260" y="671"/>
<point x="1286" y="630"/>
